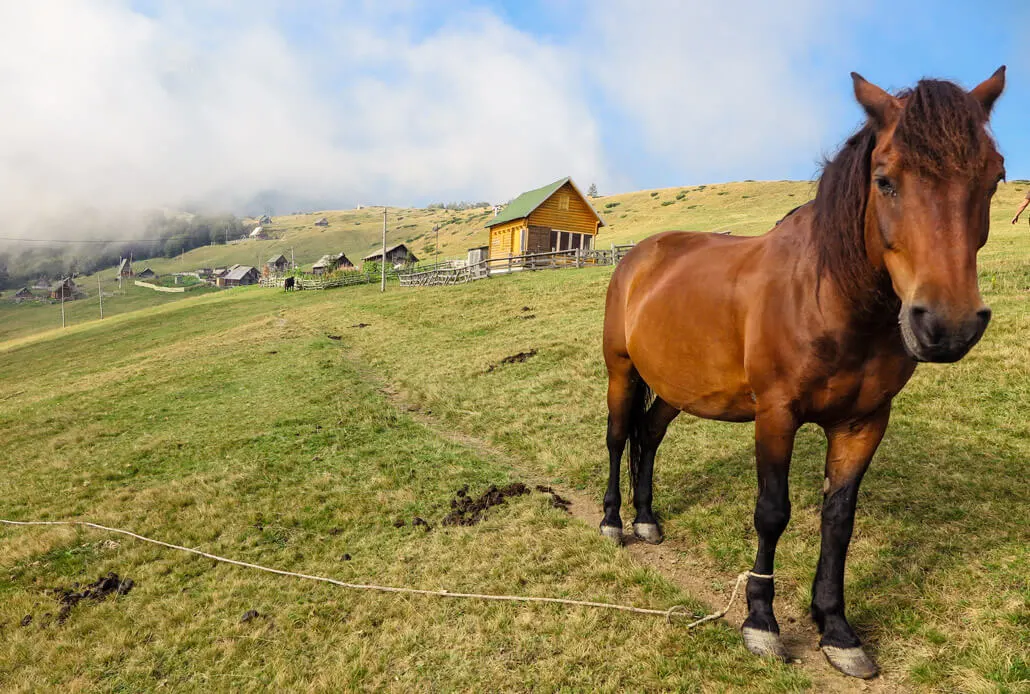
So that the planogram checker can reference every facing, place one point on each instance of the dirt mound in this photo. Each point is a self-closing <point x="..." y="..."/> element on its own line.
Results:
<point x="469" y="511"/>
<point x="98" y="591"/>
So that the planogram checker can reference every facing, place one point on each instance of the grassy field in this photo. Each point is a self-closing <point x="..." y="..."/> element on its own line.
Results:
<point x="230" y="422"/>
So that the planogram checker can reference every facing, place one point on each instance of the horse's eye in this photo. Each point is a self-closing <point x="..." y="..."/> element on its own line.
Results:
<point x="885" y="186"/>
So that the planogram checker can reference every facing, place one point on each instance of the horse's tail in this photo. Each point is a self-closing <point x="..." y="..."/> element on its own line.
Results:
<point x="642" y="398"/>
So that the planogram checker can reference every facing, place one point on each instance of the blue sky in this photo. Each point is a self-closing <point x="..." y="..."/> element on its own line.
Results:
<point x="132" y="104"/>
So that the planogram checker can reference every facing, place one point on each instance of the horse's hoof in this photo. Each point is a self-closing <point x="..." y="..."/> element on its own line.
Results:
<point x="612" y="533"/>
<point x="648" y="532"/>
<point x="851" y="661"/>
<point x="764" y="643"/>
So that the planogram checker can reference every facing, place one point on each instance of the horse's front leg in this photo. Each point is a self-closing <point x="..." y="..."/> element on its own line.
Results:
<point x="775" y="428"/>
<point x="851" y="446"/>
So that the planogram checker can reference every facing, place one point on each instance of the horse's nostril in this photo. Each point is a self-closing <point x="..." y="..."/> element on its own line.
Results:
<point x="925" y="325"/>
<point x="984" y="315"/>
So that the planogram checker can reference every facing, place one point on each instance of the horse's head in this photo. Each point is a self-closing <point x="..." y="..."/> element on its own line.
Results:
<point x="933" y="169"/>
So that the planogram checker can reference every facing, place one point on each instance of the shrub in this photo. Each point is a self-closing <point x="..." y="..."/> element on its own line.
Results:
<point x="654" y="194"/>
<point x="723" y="192"/>
<point x="681" y="195"/>
<point x="612" y="205"/>
<point x="667" y="202"/>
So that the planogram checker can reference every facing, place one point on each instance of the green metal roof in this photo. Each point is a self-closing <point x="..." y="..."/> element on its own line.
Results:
<point x="523" y="205"/>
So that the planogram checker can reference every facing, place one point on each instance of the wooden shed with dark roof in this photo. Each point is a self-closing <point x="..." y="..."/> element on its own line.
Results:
<point x="556" y="217"/>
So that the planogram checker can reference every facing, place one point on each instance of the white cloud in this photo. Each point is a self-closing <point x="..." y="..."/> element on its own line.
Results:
<point x="733" y="89"/>
<point x="111" y="108"/>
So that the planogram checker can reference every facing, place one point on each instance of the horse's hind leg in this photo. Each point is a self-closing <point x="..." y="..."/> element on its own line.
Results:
<point x="622" y="385"/>
<point x="650" y="432"/>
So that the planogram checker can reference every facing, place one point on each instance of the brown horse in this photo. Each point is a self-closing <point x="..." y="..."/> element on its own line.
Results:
<point x="823" y="319"/>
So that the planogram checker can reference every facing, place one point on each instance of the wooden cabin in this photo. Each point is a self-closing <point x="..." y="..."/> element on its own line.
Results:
<point x="125" y="268"/>
<point x="557" y="217"/>
<point x="23" y="294"/>
<point x="239" y="276"/>
<point x="276" y="265"/>
<point x="65" y="289"/>
<point x="147" y="274"/>
<point x="396" y="256"/>
<point x="331" y="263"/>
<point x="323" y="222"/>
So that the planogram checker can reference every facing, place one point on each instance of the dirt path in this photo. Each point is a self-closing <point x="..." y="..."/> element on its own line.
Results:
<point x="681" y="566"/>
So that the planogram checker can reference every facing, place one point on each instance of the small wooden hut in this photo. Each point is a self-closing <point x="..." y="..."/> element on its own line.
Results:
<point x="276" y="265"/>
<point x="396" y="256"/>
<point x="64" y="289"/>
<point x="331" y="263"/>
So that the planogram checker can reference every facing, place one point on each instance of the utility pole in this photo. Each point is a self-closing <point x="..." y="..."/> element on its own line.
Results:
<point x="293" y="259"/>
<point x="62" y="304"/>
<point x="436" y="228"/>
<point x="382" y="286"/>
<point x="100" y="293"/>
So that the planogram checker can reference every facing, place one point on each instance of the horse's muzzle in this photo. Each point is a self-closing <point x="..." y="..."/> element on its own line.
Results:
<point x="929" y="336"/>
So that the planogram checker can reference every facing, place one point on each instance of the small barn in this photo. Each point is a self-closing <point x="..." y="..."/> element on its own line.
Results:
<point x="331" y="263"/>
<point x="265" y="219"/>
<point x="64" y="289"/>
<point x="397" y="256"/>
<point x="125" y="268"/>
<point x="276" y="265"/>
<point x="258" y="233"/>
<point x="323" y="222"/>
<point x="147" y="274"/>
<point x="557" y="217"/>
<point x="23" y="294"/>
<point x="239" y="276"/>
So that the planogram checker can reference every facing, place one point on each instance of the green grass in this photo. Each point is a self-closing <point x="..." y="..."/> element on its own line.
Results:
<point x="229" y="422"/>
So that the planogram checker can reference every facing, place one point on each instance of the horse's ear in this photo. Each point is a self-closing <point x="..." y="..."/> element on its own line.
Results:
<point x="988" y="91"/>
<point x="878" y="104"/>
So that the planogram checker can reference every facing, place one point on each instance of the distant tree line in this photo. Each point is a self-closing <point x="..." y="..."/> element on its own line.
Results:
<point x="463" y="205"/>
<point x="162" y="237"/>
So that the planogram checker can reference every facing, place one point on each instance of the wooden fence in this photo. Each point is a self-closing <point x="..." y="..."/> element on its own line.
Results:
<point x="555" y="260"/>
<point x="344" y="279"/>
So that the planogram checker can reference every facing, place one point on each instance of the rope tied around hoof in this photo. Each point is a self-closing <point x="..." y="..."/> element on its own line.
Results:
<point x="676" y="610"/>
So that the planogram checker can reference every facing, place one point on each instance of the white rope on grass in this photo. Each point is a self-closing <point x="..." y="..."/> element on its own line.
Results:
<point x="676" y="610"/>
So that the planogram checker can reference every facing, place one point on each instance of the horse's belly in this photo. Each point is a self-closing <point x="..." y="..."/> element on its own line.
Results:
<point x="703" y="384"/>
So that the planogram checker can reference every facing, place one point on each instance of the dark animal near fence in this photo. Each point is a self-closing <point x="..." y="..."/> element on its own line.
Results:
<point x="289" y="284"/>
<point x="823" y="319"/>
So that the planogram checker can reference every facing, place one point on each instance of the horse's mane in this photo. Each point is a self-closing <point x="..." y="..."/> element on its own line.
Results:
<point x="940" y="133"/>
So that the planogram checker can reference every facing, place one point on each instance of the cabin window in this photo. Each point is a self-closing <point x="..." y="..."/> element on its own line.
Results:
<point x="587" y="241"/>
<point x="564" y="238"/>
<point x="576" y="241"/>
<point x="554" y="240"/>
<point x="563" y="201"/>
